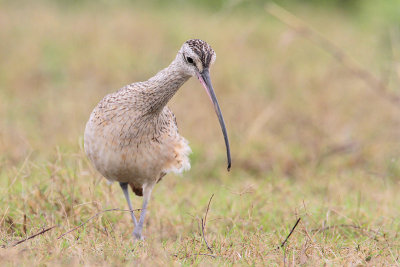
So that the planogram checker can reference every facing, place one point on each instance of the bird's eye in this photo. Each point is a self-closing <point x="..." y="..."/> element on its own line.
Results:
<point x="190" y="60"/>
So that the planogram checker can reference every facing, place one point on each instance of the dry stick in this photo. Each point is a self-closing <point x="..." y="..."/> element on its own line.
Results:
<point x="294" y="227"/>
<point x="94" y="216"/>
<point x="302" y="28"/>
<point x="33" y="236"/>
<point x="203" y="224"/>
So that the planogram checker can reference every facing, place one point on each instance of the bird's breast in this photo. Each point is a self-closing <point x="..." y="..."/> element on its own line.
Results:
<point x="130" y="149"/>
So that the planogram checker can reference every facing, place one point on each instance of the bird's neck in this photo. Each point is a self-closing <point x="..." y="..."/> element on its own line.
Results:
<point x="161" y="87"/>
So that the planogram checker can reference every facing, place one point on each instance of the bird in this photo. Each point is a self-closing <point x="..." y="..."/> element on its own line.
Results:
<point x="132" y="136"/>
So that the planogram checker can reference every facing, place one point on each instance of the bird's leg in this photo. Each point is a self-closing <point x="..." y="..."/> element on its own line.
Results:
<point x="137" y="232"/>
<point x="124" y="187"/>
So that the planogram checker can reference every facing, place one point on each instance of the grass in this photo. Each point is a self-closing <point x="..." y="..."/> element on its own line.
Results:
<point x="309" y="139"/>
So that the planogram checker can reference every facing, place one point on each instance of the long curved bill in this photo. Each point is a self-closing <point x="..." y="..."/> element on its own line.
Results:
<point x="205" y="80"/>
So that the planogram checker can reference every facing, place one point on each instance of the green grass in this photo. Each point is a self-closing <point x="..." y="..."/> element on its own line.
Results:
<point x="309" y="139"/>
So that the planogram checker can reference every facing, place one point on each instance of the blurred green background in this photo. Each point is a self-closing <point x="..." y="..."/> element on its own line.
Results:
<point x="285" y="99"/>
<point x="60" y="57"/>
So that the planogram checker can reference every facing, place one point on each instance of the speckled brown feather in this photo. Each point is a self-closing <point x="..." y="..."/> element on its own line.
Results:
<point x="132" y="136"/>
<point x="203" y="50"/>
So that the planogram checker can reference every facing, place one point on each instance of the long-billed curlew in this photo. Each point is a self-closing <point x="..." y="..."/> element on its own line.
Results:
<point x="132" y="136"/>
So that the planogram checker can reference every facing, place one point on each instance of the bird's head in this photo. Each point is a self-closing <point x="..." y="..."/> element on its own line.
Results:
<point x="195" y="58"/>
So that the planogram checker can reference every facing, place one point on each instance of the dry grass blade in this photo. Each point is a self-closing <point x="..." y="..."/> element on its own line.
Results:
<point x="203" y="225"/>
<point x="91" y="218"/>
<point x="208" y="208"/>
<point x="24" y="224"/>
<point x="327" y="228"/>
<point x="205" y="254"/>
<point x="197" y="254"/>
<point x="204" y="237"/>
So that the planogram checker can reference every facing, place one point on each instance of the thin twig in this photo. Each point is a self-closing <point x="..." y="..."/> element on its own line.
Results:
<point x="301" y="28"/>
<point x="294" y="227"/>
<point x="203" y="224"/>
<point x="94" y="216"/>
<point x="33" y="236"/>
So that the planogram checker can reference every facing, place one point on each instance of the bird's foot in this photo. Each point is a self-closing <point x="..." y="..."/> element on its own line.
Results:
<point x="137" y="235"/>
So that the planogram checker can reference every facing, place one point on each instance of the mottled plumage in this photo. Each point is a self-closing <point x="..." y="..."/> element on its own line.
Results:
<point x="132" y="136"/>
<point x="203" y="50"/>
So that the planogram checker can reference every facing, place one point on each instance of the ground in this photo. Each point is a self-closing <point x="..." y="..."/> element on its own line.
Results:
<point x="311" y="138"/>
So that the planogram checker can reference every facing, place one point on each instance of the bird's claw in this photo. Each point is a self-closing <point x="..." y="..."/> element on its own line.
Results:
<point x="138" y="236"/>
